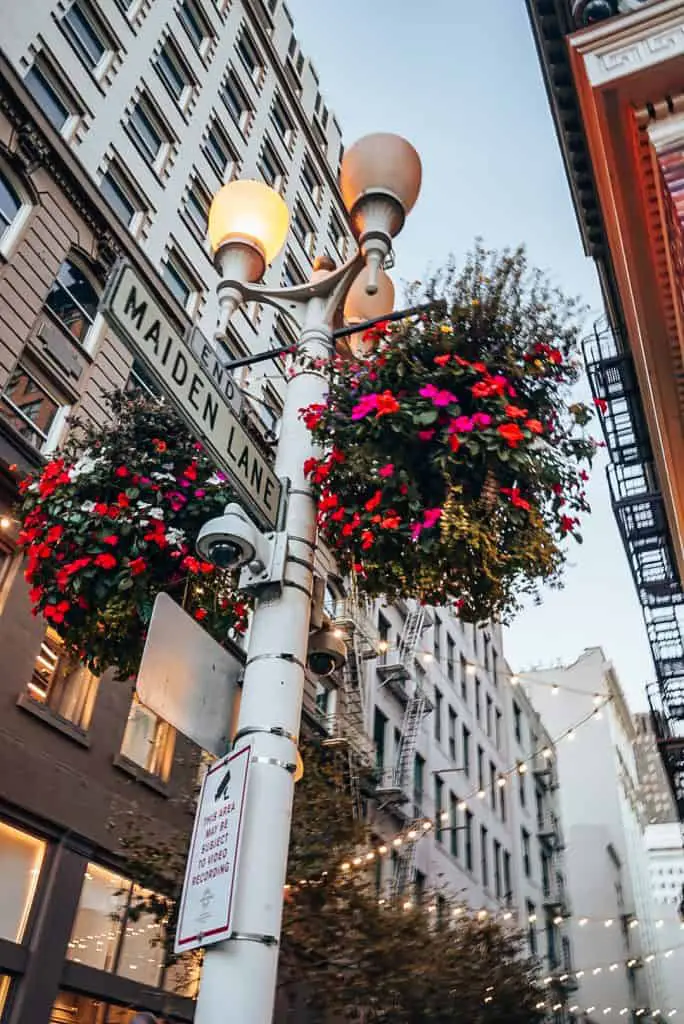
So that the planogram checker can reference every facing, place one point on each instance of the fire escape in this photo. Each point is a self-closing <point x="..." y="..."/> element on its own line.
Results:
<point x="399" y="674"/>
<point x="640" y="512"/>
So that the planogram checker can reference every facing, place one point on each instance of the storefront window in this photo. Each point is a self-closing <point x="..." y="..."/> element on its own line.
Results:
<point x="72" y="1008"/>
<point x="60" y="682"/>
<point x="4" y="991"/>
<point x="21" y="857"/>
<point x="148" y="741"/>
<point x="101" y="911"/>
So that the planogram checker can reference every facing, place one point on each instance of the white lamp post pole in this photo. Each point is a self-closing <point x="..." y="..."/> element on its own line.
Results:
<point x="239" y="976"/>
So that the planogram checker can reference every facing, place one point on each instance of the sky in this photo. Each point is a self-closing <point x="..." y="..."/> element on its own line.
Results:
<point x="461" y="80"/>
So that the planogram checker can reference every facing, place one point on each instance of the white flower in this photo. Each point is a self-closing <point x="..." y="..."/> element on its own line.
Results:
<point x="163" y="476"/>
<point x="216" y="481"/>
<point x="87" y="506"/>
<point x="84" y="466"/>
<point x="175" y="536"/>
<point x="156" y="513"/>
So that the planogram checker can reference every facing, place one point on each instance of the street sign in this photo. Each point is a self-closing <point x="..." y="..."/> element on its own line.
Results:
<point x="216" y="366"/>
<point x="188" y="679"/>
<point x="133" y="311"/>
<point x="206" y="906"/>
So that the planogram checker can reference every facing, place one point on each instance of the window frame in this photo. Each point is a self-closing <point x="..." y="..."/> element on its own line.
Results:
<point x="159" y="764"/>
<point x="307" y="237"/>
<point x="52" y="646"/>
<point x="62" y="96"/>
<point x="281" y="117"/>
<point x="241" y="111"/>
<point x="338" y="236"/>
<point x="215" y="133"/>
<point x="268" y="153"/>
<point x="99" y="29"/>
<point x="146" y="108"/>
<point x="314" y="184"/>
<point x="74" y="262"/>
<point x="51" y="438"/>
<point x="120" y="181"/>
<point x="169" y="56"/>
<point x="175" y="264"/>
<point x="252" y="61"/>
<point x="208" y="36"/>
<point x="196" y="187"/>
<point x="10" y="234"/>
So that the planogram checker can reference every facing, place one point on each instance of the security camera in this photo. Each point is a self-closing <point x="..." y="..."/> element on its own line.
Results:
<point x="229" y="541"/>
<point x="327" y="652"/>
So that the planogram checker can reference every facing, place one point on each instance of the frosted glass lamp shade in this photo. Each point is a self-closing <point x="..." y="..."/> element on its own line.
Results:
<point x="249" y="212"/>
<point x="360" y="306"/>
<point x="381" y="164"/>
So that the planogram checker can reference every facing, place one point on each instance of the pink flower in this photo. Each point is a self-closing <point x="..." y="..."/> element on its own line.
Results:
<point x="176" y="500"/>
<point x="431" y="517"/>
<point x="387" y="470"/>
<point x="365" y="405"/>
<point x="461" y="425"/>
<point x="438" y="397"/>
<point x="200" y="492"/>
<point x="426" y="435"/>
<point x="416" y="530"/>
<point x="482" y="419"/>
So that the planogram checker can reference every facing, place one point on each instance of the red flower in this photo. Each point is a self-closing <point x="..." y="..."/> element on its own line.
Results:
<point x="511" y="433"/>
<point x="35" y="594"/>
<point x="442" y="360"/>
<point x="601" y="404"/>
<point x="327" y="502"/>
<point x="514" y="412"/>
<point x="373" y="502"/>
<point x="56" y="612"/>
<point x="386" y="404"/>
<point x="339" y="515"/>
<point x="310" y="466"/>
<point x="137" y="566"/>
<point x="112" y="540"/>
<point x="391" y="522"/>
<point x="426" y="435"/>
<point x="367" y="540"/>
<point x="555" y="356"/>
<point x="54" y="534"/>
<point x="101" y="509"/>
<point x="534" y="426"/>
<point x="123" y="500"/>
<point x="159" y="445"/>
<point x="566" y="524"/>
<point x="105" y="561"/>
<point x="312" y="416"/>
<point x="516" y="498"/>
<point x="201" y="613"/>
<point x="191" y="563"/>
<point x="206" y="568"/>
<point x="386" y="471"/>
<point x="454" y="442"/>
<point x="121" y="471"/>
<point x="191" y="472"/>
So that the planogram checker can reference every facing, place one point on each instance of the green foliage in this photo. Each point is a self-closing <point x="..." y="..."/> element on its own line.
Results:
<point x="112" y="522"/>
<point x="451" y="467"/>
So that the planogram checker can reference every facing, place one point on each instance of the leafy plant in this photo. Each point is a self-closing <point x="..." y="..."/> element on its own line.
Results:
<point x="452" y="465"/>
<point x="111" y="523"/>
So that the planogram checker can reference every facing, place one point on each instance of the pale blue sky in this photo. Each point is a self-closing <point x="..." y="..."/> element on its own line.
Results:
<point x="461" y="80"/>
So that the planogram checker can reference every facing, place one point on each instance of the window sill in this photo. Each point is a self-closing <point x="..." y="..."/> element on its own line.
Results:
<point x="45" y="714"/>
<point x="141" y="775"/>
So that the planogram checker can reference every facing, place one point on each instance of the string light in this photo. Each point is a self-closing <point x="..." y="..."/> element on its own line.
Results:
<point x="5" y="522"/>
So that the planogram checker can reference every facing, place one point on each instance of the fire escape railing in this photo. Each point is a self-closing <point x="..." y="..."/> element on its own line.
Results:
<point x="640" y="513"/>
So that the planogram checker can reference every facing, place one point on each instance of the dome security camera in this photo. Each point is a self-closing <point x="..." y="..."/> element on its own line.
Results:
<point x="326" y="652"/>
<point x="229" y="541"/>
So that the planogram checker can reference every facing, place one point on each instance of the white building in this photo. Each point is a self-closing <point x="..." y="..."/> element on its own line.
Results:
<point x="666" y="866"/>
<point x="613" y="927"/>
<point x="164" y="102"/>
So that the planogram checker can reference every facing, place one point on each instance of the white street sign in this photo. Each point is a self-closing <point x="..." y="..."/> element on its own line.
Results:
<point x="206" y="906"/>
<point x="130" y="306"/>
<point x="188" y="679"/>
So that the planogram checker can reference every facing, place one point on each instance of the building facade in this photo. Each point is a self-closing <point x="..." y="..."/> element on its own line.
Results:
<point x="613" y="72"/>
<point x="656" y="792"/>
<point x="613" y="925"/>
<point x="666" y="864"/>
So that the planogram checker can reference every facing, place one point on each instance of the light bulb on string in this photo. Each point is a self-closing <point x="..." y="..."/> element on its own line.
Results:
<point x="555" y="690"/>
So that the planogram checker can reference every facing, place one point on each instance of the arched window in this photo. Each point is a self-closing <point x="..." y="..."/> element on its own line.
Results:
<point x="73" y="299"/>
<point x="10" y="204"/>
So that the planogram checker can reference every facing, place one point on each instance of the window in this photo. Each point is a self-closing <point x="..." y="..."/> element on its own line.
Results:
<point x="174" y="73"/>
<point x="436" y="639"/>
<point x="517" y="722"/>
<point x="61" y="683"/>
<point x="450" y="649"/>
<point x="185" y="289"/>
<point x="139" y="380"/>
<point x="196" y="25"/>
<point x="508" y="888"/>
<point x="486" y="646"/>
<point x="293" y="274"/>
<point x="438" y="715"/>
<point x="527" y="862"/>
<point x="478" y="699"/>
<point x="463" y="666"/>
<point x="532" y="927"/>
<point x="303" y="230"/>
<point x="379" y="733"/>
<point x="484" y="861"/>
<point x="272" y="169"/>
<point x="452" y="734"/>
<point x="338" y="235"/>
<point x="488" y="715"/>
<point x="497" y="869"/>
<point x="14" y="210"/>
<point x="312" y="182"/>
<point x="51" y="97"/>
<point x="419" y="881"/>
<point x="466" y="750"/>
<point x="235" y="98"/>
<point x="197" y="203"/>
<point x="502" y="803"/>
<point x="149" y="133"/>
<point x="383" y="634"/>
<point x="124" y="200"/>
<point x="88" y="35"/>
<point x="418" y="785"/>
<point x="522" y="786"/>
<point x="469" y="840"/>
<point x="73" y="300"/>
<point x="250" y="57"/>
<point x="148" y="741"/>
<point x="480" y="768"/>
<point x="30" y="408"/>
<point x="492" y="785"/>
<point x="439" y="793"/>
<point x="283" y="122"/>
<point x="453" y="825"/>
<point x="326" y="701"/>
<point x="497" y="728"/>
<point x="220" y="152"/>
<point x="21" y="856"/>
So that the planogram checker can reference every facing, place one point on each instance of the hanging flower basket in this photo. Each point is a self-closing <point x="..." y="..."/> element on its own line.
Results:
<point x="112" y="522"/>
<point x="452" y="465"/>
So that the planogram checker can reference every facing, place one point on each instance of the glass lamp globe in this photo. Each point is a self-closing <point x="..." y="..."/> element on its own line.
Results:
<point x="247" y="220"/>
<point x="360" y="306"/>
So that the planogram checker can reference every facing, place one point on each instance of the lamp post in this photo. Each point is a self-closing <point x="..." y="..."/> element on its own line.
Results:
<point x="380" y="180"/>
